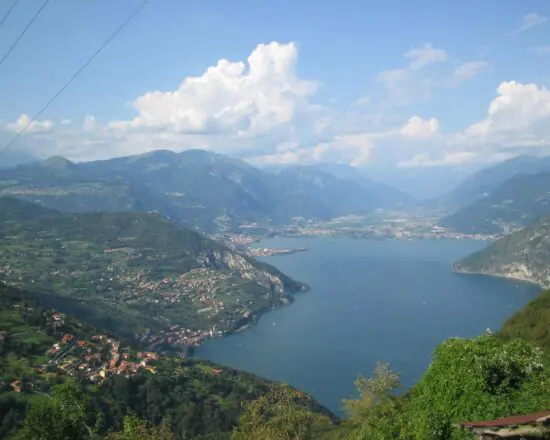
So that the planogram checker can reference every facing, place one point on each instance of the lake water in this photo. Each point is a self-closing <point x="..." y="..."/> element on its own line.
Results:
<point x="370" y="300"/>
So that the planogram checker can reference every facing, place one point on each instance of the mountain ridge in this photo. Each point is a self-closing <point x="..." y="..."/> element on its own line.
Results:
<point x="200" y="189"/>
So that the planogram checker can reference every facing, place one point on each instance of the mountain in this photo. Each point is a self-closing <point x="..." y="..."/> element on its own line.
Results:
<point x="331" y="196"/>
<point x="523" y="255"/>
<point x="136" y="273"/>
<point x="10" y="158"/>
<point x="202" y="190"/>
<point x="422" y="183"/>
<point x="381" y="194"/>
<point x="485" y="181"/>
<point x="45" y="355"/>
<point x="518" y="202"/>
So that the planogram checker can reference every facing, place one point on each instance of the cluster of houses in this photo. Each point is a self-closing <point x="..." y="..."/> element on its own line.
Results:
<point x="97" y="358"/>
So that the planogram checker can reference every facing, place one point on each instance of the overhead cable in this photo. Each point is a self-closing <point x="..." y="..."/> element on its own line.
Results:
<point x="7" y="14"/>
<point x="24" y="31"/>
<point x="77" y="73"/>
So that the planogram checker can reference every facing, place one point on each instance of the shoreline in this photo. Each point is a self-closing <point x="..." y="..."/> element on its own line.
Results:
<point x="495" y="275"/>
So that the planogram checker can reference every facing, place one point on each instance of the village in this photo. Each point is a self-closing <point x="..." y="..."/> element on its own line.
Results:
<point x="97" y="358"/>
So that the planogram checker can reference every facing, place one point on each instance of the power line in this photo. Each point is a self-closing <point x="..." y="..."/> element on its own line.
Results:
<point x="77" y="73"/>
<point x="7" y="14"/>
<point x="29" y="24"/>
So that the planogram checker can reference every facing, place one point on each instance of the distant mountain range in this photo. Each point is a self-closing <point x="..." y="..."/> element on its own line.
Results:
<point x="520" y="201"/>
<point x="487" y="180"/>
<point x="203" y="190"/>
<point x="523" y="255"/>
<point x="11" y="158"/>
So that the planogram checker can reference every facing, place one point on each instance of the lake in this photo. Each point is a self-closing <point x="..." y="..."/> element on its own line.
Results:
<point x="370" y="300"/>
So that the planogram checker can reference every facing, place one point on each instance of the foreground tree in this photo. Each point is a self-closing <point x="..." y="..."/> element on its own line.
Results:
<point x="65" y="415"/>
<point x="478" y="379"/>
<point x="137" y="429"/>
<point x="281" y="414"/>
<point x="376" y="413"/>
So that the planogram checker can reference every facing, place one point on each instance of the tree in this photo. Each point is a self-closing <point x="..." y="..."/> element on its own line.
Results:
<point x="65" y="415"/>
<point x="281" y="414"/>
<point x="137" y="429"/>
<point x="478" y="379"/>
<point x="377" y="411"/>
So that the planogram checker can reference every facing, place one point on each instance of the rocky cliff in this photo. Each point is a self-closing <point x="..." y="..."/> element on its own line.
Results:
<point x="523" y="255"/>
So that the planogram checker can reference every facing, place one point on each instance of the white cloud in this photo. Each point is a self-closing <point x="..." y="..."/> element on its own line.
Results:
<point x="358" y="148"/>
<point x="418" y="128"/>
<point x="424" y="160"/>
<point x="24" y="123"/>
<point x="231" y="97"/>
<point x="529" y="21"/>
<point x="519" y="109"/>
<point x="261" y="110"/>
<point x="90" y="123"/>
<point x="467" y="71"/>
<point x="424" y="56"/>
<point x="517" y="121"/>
<point x="407" y="84"/>
<point x="540" y="50"/>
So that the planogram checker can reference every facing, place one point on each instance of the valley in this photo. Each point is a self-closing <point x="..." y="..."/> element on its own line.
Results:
<point x="168" y="257"/>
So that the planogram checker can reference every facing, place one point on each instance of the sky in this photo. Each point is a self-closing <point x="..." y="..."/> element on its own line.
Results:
<point x="399" y="84"/>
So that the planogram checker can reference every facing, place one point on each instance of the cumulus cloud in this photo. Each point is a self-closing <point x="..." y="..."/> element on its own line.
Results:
<point x="418" y="128"/>
<point x="517" y="122"/>
<point x="263" y="111"/>
<point x="529" y="21"/>
<point x="517" y="110"/>
<point x="358" y="149"/>
<point x="23" y="122"/>
<point x="246" y="99"/>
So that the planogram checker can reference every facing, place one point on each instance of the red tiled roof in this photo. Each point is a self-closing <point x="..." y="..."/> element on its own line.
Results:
<point x="508" y="421"/>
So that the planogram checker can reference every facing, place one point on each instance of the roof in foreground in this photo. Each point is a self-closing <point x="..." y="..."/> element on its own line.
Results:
<point x="509" y="421"/>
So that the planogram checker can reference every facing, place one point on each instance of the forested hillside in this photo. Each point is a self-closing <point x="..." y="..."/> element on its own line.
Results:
<point x="102" y="380"/>
<point x="136" y="273"/>
<point x="202" y="190"/>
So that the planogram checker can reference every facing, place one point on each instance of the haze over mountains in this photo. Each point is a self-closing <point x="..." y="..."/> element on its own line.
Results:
<point x="209" y="191"/>
<point x="505" y="197"/>
<point x="201" y="189"/>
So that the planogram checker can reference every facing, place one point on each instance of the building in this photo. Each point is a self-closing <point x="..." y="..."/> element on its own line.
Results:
<point x="534" y="426"/>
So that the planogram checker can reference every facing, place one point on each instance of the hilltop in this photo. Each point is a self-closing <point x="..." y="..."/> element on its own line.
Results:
<point x="136" y="273"/>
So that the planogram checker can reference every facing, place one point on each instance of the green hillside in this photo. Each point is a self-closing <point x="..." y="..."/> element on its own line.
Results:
<point x="531" y="323"/>
<point x="108" y="380"/>
<point x="523" y="255"/>
<point x="135" y="272"/>
<point x="520" y="201"/>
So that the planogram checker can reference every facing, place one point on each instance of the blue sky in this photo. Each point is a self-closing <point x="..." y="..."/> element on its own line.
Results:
<point x="393" y="83"/>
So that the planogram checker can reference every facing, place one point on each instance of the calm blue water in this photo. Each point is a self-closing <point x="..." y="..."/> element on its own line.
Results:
<point x="370" y="300"/>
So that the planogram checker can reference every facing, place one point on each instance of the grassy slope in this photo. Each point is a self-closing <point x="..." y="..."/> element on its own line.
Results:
<point x="531" y="323"/>
<point x="196" y="401"/>
<point x="64" y="254"/>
